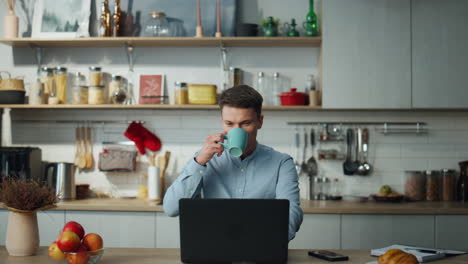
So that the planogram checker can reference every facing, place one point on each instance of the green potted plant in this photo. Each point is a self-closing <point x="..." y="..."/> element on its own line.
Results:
<point x="270" y="26"/>
<point x="23" y="198"/>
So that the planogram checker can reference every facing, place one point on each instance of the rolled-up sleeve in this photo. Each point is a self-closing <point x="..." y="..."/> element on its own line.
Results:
<point x="187" y="185"/>
<point x="288" y="188"/>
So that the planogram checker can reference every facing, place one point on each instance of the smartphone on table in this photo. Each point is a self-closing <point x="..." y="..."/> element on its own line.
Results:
<point x="328" y="255"/>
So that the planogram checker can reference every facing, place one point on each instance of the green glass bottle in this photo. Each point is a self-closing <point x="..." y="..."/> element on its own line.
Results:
<point x="310" y="25"/>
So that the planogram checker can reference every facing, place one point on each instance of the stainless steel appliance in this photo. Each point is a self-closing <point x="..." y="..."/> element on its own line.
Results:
<point x="21" y="163"/>
<point x="61" y="177"/>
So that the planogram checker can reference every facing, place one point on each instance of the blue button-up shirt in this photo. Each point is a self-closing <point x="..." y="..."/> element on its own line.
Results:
<point x="265" y="174"/>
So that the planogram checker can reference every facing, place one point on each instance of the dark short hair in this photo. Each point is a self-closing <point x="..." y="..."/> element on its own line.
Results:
<point x="241" y="96"/>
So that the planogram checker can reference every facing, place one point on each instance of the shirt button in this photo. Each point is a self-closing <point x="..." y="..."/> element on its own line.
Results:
<point x="240" y="190"/>
<point x="242" y="170"/>
<point x="201" y="172"/>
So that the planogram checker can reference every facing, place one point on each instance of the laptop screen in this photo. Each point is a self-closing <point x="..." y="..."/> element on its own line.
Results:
<point x="234" y="230"/>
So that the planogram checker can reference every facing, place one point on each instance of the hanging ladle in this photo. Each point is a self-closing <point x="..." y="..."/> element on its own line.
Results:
<point x="365" y="167"/>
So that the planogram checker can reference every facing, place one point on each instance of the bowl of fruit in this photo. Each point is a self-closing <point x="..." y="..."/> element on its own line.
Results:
<point x="82" y="256"/>
<point x="74" y="247"/>
<point x="386" y="194"/>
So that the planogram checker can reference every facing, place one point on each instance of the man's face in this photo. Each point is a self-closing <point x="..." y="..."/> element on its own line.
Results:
<point x="245" y="118"/>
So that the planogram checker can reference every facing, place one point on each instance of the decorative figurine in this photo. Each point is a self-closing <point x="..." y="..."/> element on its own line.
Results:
<point x="291" y="29"/>
<point x="270" y="27"/>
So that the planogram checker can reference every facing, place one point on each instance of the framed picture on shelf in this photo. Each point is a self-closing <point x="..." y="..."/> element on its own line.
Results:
<point x="151" y="89"/>
<point x="52" y="20"/>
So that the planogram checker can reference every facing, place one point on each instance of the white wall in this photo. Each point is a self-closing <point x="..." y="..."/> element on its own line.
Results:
<point x="183" y="132"/>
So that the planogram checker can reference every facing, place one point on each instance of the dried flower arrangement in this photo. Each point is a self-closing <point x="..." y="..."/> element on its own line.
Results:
<point x="26" y="195"/>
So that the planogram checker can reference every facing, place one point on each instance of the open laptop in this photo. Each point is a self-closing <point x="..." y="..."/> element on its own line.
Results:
<point x="234" y="230"/>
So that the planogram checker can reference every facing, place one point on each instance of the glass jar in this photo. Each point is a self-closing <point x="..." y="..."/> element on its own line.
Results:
<point x="95" y="76"/>
<point x="325" y="188"/>
<point x="235" y="77"/>
<point x="335" y="189"/>
<point x="117" y="94"/>
<point x="79" y="90"/>
<point x="96" y="95"/>
<point x="317" y="194"/>
<point x="415" y="185"/>
<point x="156" y="25"/>
<point x="61" y="79"/>
<point x="432" y="185"/>
<point x="181" y="93"/>
<point x="323" y="132"/>
<point x="448" y="185"/>
<point x="47" y="78"/>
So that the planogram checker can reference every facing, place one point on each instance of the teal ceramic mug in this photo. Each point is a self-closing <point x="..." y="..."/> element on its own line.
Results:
<point x="237" y="141"/>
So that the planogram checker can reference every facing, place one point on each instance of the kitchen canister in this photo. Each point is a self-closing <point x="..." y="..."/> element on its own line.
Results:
<point x="36" y="93"/>
<point x="10" y="22"/>
<point x="154" y="190"/>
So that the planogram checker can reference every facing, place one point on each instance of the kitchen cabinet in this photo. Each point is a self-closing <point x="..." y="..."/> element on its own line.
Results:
<point x="367" y="54"/>
<point x="118" y="229"/>
<point x="373" y="231"/>
<point x="3" y="225"/>
<point x="167" y="231"/>
<point x="439" y="53"/>
<point x="318" y="231"/>
<point x="50" y="225"/>
<point x="451" y="232"/>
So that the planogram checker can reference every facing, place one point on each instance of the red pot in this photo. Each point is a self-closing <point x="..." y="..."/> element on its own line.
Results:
<point x="293" y="97"/>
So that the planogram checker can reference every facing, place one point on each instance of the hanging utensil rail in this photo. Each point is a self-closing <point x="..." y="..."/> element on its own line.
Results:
<point x="387" y="128"/>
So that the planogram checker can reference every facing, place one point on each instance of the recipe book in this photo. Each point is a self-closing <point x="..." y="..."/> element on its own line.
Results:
<point x="421" y="253"/>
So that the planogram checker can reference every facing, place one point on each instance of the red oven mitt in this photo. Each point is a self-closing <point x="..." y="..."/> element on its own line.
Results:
<point x="135" y="132"/>
<point x="143" y="138"/>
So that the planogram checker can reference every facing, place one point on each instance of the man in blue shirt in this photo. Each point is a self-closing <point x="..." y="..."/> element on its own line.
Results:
<point x="261" y="172"/>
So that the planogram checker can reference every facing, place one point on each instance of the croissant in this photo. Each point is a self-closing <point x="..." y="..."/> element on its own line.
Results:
<point x="397" y="256"/>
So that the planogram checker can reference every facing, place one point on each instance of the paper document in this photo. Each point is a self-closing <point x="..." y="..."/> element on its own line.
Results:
<point x="421" y="253"/>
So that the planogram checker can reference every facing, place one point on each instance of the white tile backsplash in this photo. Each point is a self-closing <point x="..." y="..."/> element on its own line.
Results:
<point x="183" y="133"/>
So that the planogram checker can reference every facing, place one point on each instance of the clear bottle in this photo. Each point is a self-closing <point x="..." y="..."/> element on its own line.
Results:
<point x="276" y="89"/>
<point x="309" y="84"/>
<point x="335" y="189"/>
<point x="325" y="188"/>
<point x="261" y="88"/>
<point x="317" y="193"/>
<point x="157" y="25"/>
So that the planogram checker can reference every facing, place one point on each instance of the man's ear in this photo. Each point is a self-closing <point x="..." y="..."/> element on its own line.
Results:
<point x="260" y="121"/>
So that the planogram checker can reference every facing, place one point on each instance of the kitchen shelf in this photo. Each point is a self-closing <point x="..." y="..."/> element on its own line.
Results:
<point x="149" y="106"/>
<point x="166" y="42"/>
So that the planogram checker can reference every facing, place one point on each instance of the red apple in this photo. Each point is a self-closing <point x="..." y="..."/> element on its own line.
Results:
<point x="74" y="227"/>
<point x="93" y="241"/>
<point x="68" y="241"/>
<point x="80" y="257"/>
<point x="55" y="252"/>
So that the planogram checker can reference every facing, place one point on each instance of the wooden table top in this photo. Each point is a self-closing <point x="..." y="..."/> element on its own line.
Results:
<point x="169" y="256"/>
<point x="309" y="207"/>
